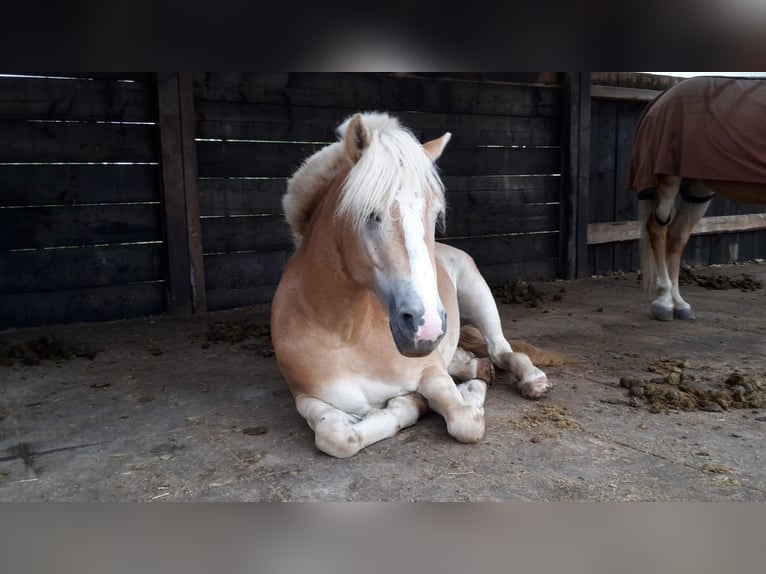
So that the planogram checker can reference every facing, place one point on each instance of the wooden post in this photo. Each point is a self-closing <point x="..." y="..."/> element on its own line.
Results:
<point x="575" y="175"/>
<point x="177" y="127"/>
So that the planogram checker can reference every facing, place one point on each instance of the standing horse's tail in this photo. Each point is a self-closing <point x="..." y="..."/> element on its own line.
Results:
<point x="472" y="340"/>
<point x="648" y="262"/>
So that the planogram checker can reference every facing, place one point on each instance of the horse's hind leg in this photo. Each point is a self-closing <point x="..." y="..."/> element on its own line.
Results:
<point x="466" y="366"/>
<point x="695" y="199"/>
<point x="657" y="229"/>
<point x="342" y="435"/>
<point x="478" y="307"/>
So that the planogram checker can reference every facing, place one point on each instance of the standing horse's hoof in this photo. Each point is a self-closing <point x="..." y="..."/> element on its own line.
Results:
<point x="662" y="313"/>
<point x="683" y="314"/>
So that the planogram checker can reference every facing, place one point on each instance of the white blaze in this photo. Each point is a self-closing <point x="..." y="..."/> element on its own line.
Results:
<point x="423" y="273"/>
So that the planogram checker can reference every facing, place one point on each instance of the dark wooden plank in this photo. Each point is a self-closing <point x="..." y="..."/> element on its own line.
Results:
<point x="247" y="159"/>
<point x="514" y="189"/>
<point x="272" y="122"/>
<point x="379" y="91"/>
<point x="697" y="251"/>
<point x="493" y="217"/>
<point x="576" y="115"/>
<point x="49" y="142"/>
<point x="271" y="232"/>
<point x="220" y="299"/>
<point x="188" y="123"/>
<point x="504" y="249"/>
<point x="260" y="196"/>
<point x="723" y="206"/>
<point x="255" y="159"/>
<point x="247" y="233"/>
<point x="174" y="194"/>
<point x="74" y="305"/>
<point x="219" y="196"/>
<point x="55" y="269"/>
<point x="82" y="100"/>
<point x="603" y="168"/>
<point x="235" y="270"/>
<point x="22" y="185"/>
<point x="540" y="269"/>
<point x="501" y="200"/>
<point x="37" y="227"/>
<point x="625" y="201"/>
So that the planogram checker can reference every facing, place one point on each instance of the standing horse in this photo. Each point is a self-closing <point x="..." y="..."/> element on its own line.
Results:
<point x="704" y="136"/>
<point x="365" y="320"/>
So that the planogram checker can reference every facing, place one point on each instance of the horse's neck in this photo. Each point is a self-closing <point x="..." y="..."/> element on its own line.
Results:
<point x="329" y="291"/>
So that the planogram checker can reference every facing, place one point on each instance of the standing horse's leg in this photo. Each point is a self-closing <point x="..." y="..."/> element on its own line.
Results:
<point x="478" y="307"/>
<point x="657" y="229"/>
<point x="695" y="199"/>
<point x="342" y="435"/>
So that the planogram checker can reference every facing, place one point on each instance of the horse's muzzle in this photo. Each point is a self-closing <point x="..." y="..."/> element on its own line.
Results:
<point x="412" y="337"/>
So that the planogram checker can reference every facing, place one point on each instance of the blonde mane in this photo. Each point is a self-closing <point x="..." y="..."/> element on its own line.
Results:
<point x="394" y="160"/>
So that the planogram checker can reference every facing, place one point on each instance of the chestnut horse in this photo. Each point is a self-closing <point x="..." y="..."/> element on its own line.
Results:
<point x="704" y="136"/>
<point x="365" y="320"/>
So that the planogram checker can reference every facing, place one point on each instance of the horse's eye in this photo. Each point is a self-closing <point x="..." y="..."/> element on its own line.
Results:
<point x="374" y="217"/>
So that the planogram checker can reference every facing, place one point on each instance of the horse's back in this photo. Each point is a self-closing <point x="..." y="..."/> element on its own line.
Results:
<point x="704" y="128"/>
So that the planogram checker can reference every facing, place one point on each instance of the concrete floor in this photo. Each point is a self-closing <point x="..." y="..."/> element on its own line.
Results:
<point x="161" y="414"/>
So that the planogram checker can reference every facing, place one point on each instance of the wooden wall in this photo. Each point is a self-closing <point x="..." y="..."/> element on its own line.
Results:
<point x="81" y="234"/>
<point x="618" y="100"/>
<point x="501" y="169"/>
<point x="130" y="194"/>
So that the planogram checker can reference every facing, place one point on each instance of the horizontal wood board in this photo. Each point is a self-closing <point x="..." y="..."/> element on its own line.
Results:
<point x="81" y="235"/>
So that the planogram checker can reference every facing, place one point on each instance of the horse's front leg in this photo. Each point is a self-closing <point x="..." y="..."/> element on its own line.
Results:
<point x="462" y="406"/>
<point x="478" y="307"/>
<point x="342" y="435"/>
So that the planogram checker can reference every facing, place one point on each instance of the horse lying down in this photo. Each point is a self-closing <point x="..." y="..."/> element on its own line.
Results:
<point x="366" y="318"/>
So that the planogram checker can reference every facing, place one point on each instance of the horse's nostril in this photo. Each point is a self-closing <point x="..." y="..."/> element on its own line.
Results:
<point x="408" y="320"/>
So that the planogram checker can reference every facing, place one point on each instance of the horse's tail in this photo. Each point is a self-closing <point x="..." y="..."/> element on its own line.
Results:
<point x="648" y="263"/>
<point x="472" y="340"/>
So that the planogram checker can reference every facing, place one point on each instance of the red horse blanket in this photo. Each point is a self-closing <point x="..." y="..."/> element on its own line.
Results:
<point x="703" y="128"/>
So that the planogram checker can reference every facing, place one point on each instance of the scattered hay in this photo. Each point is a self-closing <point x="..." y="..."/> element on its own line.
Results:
<point x="545" y="415"/>
<point x="676" y="388"/>
<point x="743" y="282"/>
<point x="46" y="347"/>
<point x="239" y="331"/>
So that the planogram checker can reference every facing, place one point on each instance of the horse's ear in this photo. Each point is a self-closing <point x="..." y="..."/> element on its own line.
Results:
<point x="357" y="138"/>
<point x="434" y="148"/>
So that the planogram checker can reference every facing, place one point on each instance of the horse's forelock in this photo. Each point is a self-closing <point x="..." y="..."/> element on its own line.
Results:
<point x="393" y="161"/>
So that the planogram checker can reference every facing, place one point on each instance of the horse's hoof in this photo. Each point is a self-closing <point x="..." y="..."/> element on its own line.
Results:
<point x="683" y="314"/>
<point x="662" y="313"/>
<point x="485" y="370"/>
<point x="536" y="389"/>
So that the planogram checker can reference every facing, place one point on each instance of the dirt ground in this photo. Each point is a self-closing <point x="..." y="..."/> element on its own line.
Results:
<point x="170" y="409"/>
